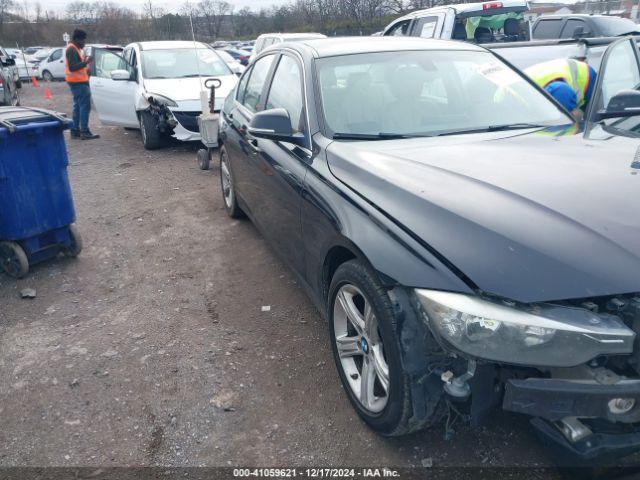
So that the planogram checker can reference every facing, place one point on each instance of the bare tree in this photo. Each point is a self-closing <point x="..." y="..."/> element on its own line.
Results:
<point x="5" y="8"/>
<point x="213" y="13"/>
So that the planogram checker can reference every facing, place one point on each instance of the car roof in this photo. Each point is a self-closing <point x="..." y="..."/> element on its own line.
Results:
<point x="284" y="36"/>
<point x="576" y="15"/>
<point x="170" y="44"/>
<point x="468" y="7"/>
<point x="329" y="47"/>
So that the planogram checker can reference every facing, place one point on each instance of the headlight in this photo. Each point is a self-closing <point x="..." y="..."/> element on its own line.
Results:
<point x="538" y="335"/>
<point x="161" y="99"/>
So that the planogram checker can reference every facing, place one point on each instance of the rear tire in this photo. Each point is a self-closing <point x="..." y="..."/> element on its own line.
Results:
<point x="152" y="138"/>
<point x="13" y="259"/>
<point x="228" y="187"/>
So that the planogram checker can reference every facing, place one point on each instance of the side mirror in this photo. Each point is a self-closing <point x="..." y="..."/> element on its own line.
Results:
<point x="625" y="103"/>
<point x="578" y="32"/>
<point x="120" y="75"/>
<point x="275" y="125"/>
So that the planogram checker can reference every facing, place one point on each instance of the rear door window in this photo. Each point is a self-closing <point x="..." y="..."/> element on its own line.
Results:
<point x="425" y="27"/>
<point x="572" y="29"/>
<point x="252" y="99"/>
<point x="546" y="29"/>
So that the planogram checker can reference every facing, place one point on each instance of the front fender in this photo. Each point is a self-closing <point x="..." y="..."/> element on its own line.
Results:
<point x="332" y="215"/>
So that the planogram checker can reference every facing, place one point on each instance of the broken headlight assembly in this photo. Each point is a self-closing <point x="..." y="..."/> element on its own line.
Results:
<point x="536" y="335"/>
<point x="160" y="100"/>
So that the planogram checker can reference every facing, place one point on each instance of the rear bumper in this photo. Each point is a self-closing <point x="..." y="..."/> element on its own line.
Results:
<point x="610" y="434"/>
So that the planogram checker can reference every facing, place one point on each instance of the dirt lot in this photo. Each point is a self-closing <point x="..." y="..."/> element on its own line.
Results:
<point x="152" y="347"/>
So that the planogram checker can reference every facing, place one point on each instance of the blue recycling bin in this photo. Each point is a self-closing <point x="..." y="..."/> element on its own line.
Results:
<point x="36" y="205"/>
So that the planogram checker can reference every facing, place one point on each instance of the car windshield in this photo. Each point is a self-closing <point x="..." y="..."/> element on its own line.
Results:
<point x="427" y="93"/>
<point x="182" y="63"/>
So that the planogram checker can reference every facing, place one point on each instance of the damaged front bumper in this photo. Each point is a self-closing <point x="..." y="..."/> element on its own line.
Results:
<point x="584" y="419"/>
<point x="583" y="392"/>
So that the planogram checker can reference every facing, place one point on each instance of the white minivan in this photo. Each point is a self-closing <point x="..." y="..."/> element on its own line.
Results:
<point x="156" y="86"/>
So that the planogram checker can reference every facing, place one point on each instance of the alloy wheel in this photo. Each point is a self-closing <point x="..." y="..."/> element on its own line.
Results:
<point x="360" y="348"/>
<point x="227" y="184"/>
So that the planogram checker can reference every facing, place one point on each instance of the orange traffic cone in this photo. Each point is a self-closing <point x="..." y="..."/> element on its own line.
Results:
<point x="47" y="94"/>
<point x="34" y="81"/>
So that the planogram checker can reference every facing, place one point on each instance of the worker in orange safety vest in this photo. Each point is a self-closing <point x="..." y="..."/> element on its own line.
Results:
<point x="77" y="77"/>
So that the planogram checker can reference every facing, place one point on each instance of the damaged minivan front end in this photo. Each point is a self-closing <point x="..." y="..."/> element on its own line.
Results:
<point x="573" y="366"/>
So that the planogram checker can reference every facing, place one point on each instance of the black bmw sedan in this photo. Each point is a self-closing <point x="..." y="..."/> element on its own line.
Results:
<point x="469" y="247"/>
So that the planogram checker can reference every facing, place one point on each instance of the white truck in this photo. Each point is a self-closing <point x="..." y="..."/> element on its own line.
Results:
<point x="499" y="26"/>
<point x="485" y="22"/>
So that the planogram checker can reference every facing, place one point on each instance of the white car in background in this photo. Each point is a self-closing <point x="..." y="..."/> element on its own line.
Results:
<point x="156" y="87"/>
<point x="52" y="65"/>
<point x="267" y="39"/>
<point x="26" y="70"/>
<point x="235" y="66"/>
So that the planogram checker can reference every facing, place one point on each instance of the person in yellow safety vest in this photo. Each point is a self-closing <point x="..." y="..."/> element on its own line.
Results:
<point x="76" y="70"/>
<point x="570" y="82"/>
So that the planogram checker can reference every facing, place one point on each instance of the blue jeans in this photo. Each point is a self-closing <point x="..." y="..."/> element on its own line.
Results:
<point x="81" y="105"/>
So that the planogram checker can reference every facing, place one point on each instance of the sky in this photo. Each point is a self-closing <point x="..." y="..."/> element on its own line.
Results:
<point x="60" y="5"/>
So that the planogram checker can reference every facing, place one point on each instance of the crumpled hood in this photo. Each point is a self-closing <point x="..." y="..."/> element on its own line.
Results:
<point x="523" y="215"/>
<point x="186" y="91"/>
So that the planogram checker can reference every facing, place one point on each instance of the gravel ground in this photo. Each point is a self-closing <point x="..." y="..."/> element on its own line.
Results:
<point x="152" y="348"/>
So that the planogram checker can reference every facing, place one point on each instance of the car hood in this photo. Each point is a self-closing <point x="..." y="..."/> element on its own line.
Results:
<point x="524" y="215"/>
<point x="186" y="91"/>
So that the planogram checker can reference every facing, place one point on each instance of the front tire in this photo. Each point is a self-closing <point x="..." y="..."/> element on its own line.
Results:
<point x="47" y="76"/>
<point x="152" y="138"/>
<point x="366" y="350"/>
<point x="228" y="187"/>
